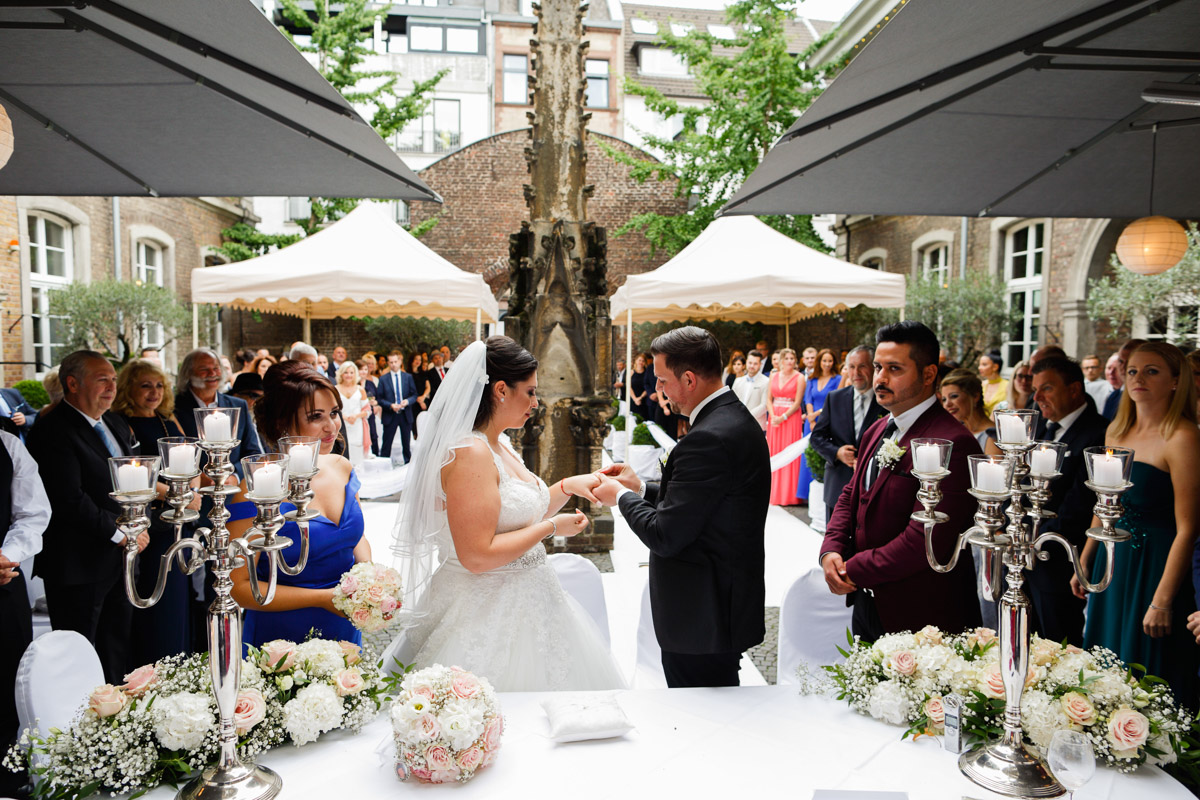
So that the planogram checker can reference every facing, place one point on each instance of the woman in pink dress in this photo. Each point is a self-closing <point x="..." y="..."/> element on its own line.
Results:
<point x="785" y="425"/>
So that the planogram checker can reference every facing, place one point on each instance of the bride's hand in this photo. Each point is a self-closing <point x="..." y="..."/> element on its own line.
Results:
<point x="570" y="524"/>
<point x="582" y="486"/>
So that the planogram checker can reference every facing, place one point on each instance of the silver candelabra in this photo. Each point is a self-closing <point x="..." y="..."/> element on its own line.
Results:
<point x="271" y="478"/>
<point x="1008" y="766"/>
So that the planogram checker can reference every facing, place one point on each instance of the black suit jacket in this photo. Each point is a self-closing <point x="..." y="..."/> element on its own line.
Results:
<point x="247" y="434"/>
<point x="73" y="460"/>
<point x="1069" y="498"/>
<point x="835" y="428"/>
<point x="435" y="381"/>
<point x="704" y="524"/>
<point x="16" y="401"/>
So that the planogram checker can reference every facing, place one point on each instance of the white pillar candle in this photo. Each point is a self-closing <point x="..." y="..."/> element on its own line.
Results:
<point x="133" y="478"/>
<point x="927" y="458"/>
<point x="181" y="459"/>
<point x="217" y="428"/>
<point x="1012" y="430"/>
<point x="268" y="481"/>
<point x="1107" y="470"/>
<point x="989" y="477"/>
<point x="1043" y="461"/>
<point x="300" y="455"/>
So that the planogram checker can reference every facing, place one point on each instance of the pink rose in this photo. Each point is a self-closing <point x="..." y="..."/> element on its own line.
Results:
<point x="444" y="775"/>
<point x="424" y="690"/>
<point x="349" y="585"/>
<point x="928" y="635"/>
<point x="1127" y="731"/>
<point x="471" y="758"/>
<point x="421" y="774"/>
<point x="389" y="604"/>
<point x="360" y="616"/>
<point x="438" y="757"/>
<point x="492" y="732"/>
<point x="935" y="711"/>
<point x="429" y="726"/>
<point x="465" y="685"/>
<point x="904" y="662"/>
<point x="107" y="700"/>
<point x="992" y="682"/>
<point x="1071" y="648"/>
<point x="140" y="680"/>
<point x="349" y="681"/>
<point x="981" y="637"/>
<point x="1078" y="708"/>
<point x="351" y="651"/>
<point x="375" y="595"/>
<point x="380" y="572"/>
<point x="279" y="655"/>
<point x="250" y="710"/>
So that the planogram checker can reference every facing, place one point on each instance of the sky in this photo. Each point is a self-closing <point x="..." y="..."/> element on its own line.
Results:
<point x="832" y="10"/>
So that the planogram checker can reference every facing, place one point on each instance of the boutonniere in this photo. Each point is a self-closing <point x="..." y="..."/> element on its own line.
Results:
<point x="889" y="453"/>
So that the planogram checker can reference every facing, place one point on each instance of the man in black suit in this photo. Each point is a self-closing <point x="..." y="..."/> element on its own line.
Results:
<point x="14" y="406"/>
<point x="435" y="375"/>
<point x="1114" y="400"/>
<point x="397" y="394"/>
<point x="1071" y="418"/>
<point x="199" y="381"/>
<point x="82" y="557"/>
<point x="704" y="521"/>
<point x="848" y="413"/>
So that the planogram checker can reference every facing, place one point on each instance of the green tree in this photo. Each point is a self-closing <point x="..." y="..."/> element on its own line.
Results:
<point x="1125" y="296"/>
<point x="112" y="316"/>
<point x="754" y="97"/>
<point x="411" y="334"/>
<point x="970" y="315"/>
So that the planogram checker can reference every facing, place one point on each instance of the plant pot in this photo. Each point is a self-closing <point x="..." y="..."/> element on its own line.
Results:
<point x="608" y="439"/>
<point x="620" y="439"/>
<point x="644" y="459"/>
<point x="816" y="506"/>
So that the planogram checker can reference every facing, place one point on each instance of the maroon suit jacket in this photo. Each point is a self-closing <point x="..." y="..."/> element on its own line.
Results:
<point x="884" y="550"/>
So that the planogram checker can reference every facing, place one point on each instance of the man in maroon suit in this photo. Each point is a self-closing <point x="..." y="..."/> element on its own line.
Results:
<point x="872" y="551"/>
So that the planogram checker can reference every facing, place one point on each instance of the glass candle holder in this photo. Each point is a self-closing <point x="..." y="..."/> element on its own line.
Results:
<point x="302" y="453"/>
<point x="217" y="425"/>
<point x="931" y="456"/>
<point x="180" y="457"/>
<point x="266" y="476"/>
<point x="134" y="476"/>
<point x="1015" y="426"/>
<point x="1109" y="467"/>
<point x="1046" y="458"/>
<point x="990" y="474"/>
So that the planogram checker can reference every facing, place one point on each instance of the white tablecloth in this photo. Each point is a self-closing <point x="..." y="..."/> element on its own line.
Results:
<point x="688" y="743"/>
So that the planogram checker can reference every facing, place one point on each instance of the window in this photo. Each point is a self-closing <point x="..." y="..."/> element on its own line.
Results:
<point x="49" y="249"/>
<point x="49" y="333"/>
<point x="721" y="31"/>
<point x="1179" y="326"/>
<point x="148" y="270"/>
<point x="597" y="83"/>
<point x="935" y="263"/>
<point x="447" y="129"/>
<point x="425" y="37"/>
<point x="873" y="263"/>
<point x="645" y="27"/>
<point x="527" y="8"/>
<point x="299" y="208"/>
<point x="51" y="266"/>
<point x="515" y="84"/>
<point x="682" y="29"/>
<point x="661" y="61"/>
<point x="1024" y="254"/>
<point x="445" y="38"/>
<point x="462" y="40"/>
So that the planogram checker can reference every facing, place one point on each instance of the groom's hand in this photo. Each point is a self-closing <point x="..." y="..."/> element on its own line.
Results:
<point x="835" y="574"/>
<point x="607" y="491"/>
<point x="624" y="475"/>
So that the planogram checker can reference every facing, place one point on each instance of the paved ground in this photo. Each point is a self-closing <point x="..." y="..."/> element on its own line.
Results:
<point x="766" y="655"/>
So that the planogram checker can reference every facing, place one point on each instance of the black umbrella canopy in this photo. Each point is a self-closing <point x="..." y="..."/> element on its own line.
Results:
<point x="1018" y="108"/>
<point x="179" y="98"/>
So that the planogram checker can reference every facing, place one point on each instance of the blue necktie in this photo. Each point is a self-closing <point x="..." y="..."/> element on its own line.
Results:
<point x="113" y="450"/>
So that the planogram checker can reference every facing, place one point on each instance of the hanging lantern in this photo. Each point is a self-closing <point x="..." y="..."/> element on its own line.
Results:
<point x="6" y="137"/>
<point x="1151" y="245"/>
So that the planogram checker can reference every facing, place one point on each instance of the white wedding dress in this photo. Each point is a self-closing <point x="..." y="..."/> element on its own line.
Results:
<point x="514" y="624"/>
<point x="351" y="406"/>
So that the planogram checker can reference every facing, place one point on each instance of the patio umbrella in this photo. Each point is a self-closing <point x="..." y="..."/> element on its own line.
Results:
<point x="194" y="98"/>
<point x="1020" y="108"/>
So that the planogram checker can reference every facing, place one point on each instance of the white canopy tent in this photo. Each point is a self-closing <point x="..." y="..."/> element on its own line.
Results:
<point x="743" y="270"/>
<point x="362" y="265"/>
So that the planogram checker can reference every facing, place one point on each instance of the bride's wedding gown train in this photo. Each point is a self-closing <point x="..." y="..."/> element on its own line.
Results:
<point x="514" y="624"/>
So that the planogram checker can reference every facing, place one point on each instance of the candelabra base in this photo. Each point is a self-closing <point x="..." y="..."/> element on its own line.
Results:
<point x="1008" y="770"/>
<point x="239" y="782"/>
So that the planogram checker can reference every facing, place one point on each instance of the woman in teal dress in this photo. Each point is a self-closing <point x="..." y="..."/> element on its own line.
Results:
<point x="300" y="401"/>
<point x="1142" y="615"/>
<point x="824" y="380"/>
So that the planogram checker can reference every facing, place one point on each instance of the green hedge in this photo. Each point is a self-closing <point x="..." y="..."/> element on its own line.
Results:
<point x="34" y="393"/>
<point x="816" y="463"/>
<point x="641" y="435"/>
<point x="618" y="423"/>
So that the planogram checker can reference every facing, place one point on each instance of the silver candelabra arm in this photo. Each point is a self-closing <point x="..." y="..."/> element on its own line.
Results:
<point x="959" y="544"/>
<point x="300" y="494"/>
<point x="1077" y="561"/>
<point x="249" y="549"/>
<point x="164" y="568"/>
<point x="179" y="497"/>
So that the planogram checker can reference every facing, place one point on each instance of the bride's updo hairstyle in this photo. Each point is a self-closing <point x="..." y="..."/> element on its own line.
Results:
<point x="506" y="361"/>
<point x="288" y="389"/>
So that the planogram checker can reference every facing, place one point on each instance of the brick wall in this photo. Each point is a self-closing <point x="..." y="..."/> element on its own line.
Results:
<point x="10" y="286"/>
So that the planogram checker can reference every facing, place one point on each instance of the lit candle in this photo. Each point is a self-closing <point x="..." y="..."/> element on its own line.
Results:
<point x="181" y="459"/>
<point x="1107" y="470"/>
<point x="301" y="456"/>
<point x="268" y="481"/>
<point x="989" y="477"/>
<point x="133" y="478"/>
<point x="1043" y="461"/>
<point x="927" y="458"/>
<point x="1012" y="429"/>
<point x="217" y="428"/>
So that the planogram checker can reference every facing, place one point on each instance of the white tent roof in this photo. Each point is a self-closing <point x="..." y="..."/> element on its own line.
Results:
<point x="362" y="265"/>
<point x="744" y="270"/>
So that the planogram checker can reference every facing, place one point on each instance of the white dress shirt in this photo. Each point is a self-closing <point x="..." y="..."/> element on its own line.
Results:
<point x="201" y="404"/>
<point x="903" y="421"/>
<point x="1067" y="421"/>
<point x="752" y="391"/>
<point x="30" y="505"/>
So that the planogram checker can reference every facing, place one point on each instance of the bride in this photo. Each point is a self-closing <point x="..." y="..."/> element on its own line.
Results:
<point x="479" y="593"/>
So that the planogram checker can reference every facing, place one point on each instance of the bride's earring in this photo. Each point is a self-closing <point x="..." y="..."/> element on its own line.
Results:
<point x="502" y="399"/>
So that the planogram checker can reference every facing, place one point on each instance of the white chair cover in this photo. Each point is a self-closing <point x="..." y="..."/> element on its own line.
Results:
<point x="581" y="579"/>
<point x="649" y="673"/>
<point x="57" y="674"/>
<point x="812" y="624"/>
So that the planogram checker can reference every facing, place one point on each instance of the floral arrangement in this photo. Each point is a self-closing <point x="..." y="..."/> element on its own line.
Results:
<point x="902" y="678"/>
<point x="889" y="453"/>
<point x="369" y="596"/>
<point x="162" y="723"/>
<point x="447" y="725"/>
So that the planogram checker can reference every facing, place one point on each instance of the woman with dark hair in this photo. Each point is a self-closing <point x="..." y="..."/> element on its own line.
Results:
<point x="469" y="537"/>
<point x="420" y="376"/>
<point x="300" y="401"/>
<point x="995" y="387"/>
<point x="736" y="368"/>
<point x="826" y="378"/>
<point x="639" y="392"/>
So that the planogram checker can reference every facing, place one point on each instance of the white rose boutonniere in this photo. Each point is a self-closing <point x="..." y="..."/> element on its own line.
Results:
<point x="889" y="453"/>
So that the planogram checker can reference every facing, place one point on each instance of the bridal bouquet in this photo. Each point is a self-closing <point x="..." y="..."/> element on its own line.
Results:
<point x="447" y="724"/>
<point x="369" y="596"/>
<point x="162" y="723"/>
<point x="902" y="678"/>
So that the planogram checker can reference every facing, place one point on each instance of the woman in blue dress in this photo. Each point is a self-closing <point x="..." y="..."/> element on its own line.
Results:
<point x="1142" y="615"/>
<point x="300" y="401"/>
<point x="825" y="379"/>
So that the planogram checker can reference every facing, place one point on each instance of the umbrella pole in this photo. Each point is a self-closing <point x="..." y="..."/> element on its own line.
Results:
<point x="628" y="380"/>
<point x="478" y="323"/>
<point x="195" y="324"/>
<point x="307" y="331"/>
<point x="787" y="330"/>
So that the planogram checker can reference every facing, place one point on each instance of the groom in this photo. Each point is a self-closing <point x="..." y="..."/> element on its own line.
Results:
<point x="704" y="521"/>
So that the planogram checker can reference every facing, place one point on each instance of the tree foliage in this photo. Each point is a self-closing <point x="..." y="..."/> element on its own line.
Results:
<point x="754" y="95"/>
<point x="111" y="316"/>
<point x="970" y="315"/>
<point x="1124" y="297"/>
<point x="410" y="334"/>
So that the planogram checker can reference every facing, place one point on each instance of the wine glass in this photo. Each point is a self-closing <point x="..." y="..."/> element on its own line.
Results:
<point x="1071" y="760"/>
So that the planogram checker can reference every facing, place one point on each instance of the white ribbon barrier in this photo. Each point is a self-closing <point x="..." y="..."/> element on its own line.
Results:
<point x="660" y="436"/>
<point x="788" y="454"/>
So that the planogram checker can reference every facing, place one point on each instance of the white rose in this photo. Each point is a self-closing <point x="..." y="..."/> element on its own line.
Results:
<point x="182" y="720"/>
<point x="322" y="657"/>
<point x="314" y="710"/>
<point x="890" y="703"/>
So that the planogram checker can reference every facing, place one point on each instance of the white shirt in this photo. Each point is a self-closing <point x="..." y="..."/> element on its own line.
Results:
<point x="905" y="420"/>
<point x="30" y="505"/>
<point x="1067" y="421"/>
<point x="201" y="404"/>
<point x="752" y="391"/>
<point x="118" y="538"/>
<point x="1099" y="390"/>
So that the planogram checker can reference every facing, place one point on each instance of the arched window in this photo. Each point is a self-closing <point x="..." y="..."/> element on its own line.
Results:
<point x="935" y="263"/>
<point x="51" y="267"/>
<point x="1024" y="263"/>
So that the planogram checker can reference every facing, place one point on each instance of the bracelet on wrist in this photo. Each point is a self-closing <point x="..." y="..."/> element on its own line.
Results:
<point x="562" y="487"/>
<point x="553" y="527"/>
<point x="1159" y="608"/>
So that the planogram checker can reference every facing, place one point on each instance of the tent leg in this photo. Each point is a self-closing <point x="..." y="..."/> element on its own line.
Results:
<point x="628" y="379"/>
<point x="787" y="333"/>
<point x="195" y="325"/>
<point x="306" y="334"/>
<point x="478" y="323"/>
